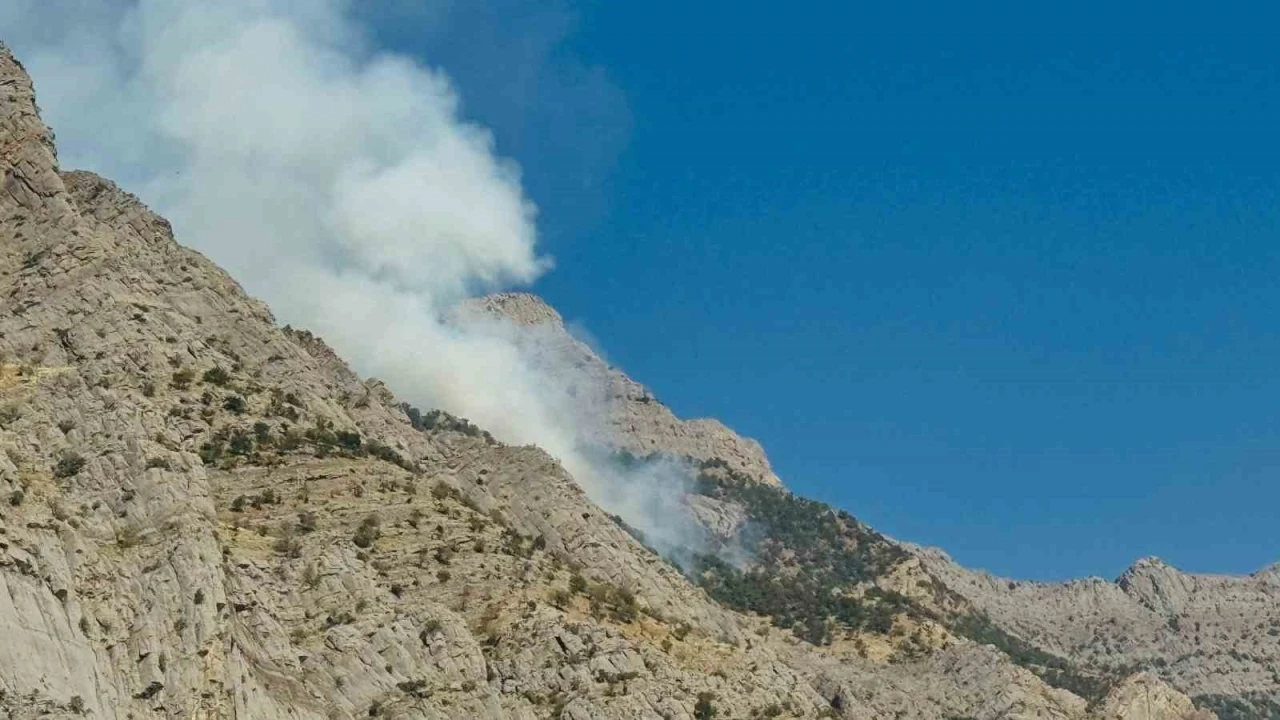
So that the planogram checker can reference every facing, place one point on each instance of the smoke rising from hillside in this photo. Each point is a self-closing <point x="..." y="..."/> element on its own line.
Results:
<point x="337" y="182"/>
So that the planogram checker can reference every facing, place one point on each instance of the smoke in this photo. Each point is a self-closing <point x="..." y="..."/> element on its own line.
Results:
<point x="339" y="183"/>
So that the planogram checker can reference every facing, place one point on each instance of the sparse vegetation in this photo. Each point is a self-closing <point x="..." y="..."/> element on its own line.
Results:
<point x="311" y="576"/>
<point x="809" y="562"/>
<point x="307" y="521"/>
<point x="129" y="536"/>
<point x="704" y="708"/>
<point x="1056" y="671"/>
<point x="216" y="375"/>
<point x="442" y="421"/>
<point x="10" y="414"/>
<point x="234" y="404"/>
<point x="1248" y="706"/>
<point x="69" y="465"/>
<point x="181" y="380"/>
<point x="613" y="602"/>
<point x="368" y="532"/>
<point x="287" y="543"/>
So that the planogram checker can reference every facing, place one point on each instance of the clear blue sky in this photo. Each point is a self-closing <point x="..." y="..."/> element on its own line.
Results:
<point x="999" y="277"/>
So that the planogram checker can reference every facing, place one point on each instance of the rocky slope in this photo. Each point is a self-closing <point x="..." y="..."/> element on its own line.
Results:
<point x="1214" y="637"/>
<point x="1217" y="638"/>
<point x="205" y="515"/>
<point x="635" y="420"/>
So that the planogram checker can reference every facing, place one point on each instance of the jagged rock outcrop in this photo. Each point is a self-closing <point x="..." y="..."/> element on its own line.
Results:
<point x="204" y="515"/>
<point x="1145" y="697"/>
<point x="635" y="420"/>
<point x="1212" y="636"/>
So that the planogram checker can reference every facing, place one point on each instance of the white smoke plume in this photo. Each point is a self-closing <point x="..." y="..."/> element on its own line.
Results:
<point x="337" y="182"/>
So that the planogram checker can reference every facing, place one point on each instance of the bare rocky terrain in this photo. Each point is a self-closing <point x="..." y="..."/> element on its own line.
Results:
<point x="1215" y="637"/>
<point x="206" y="515"/>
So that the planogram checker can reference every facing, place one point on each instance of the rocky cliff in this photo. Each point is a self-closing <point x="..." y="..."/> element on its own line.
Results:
<point x="205" y="515"/>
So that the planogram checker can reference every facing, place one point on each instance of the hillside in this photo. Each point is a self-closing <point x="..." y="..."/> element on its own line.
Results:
<point x="1214" y="637"/>
<point x="208" y="515"/>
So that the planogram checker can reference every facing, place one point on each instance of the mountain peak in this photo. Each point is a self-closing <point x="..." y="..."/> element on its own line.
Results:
<point x="637" y="421"/>
<point x="518" y="307"/>
<point x="1146" y="565"/>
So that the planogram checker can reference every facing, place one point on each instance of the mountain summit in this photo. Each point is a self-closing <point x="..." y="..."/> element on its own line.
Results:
<point x="207" y="515"/>
<point x="637" y="422"/>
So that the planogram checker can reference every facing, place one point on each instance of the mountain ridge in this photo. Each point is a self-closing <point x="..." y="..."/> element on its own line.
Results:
<point x="210" y="516"/>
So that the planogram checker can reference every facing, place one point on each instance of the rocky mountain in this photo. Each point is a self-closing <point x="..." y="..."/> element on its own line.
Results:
<point x="635" y="421"/>
<point x="206" y="515"/>
<point x="1215" y="637"/>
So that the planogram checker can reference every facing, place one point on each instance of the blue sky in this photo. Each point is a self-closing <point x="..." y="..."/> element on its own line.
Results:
<point x="999" y="277"/>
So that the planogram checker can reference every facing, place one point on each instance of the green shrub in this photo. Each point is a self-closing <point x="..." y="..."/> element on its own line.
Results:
<point x="307" y="521"/>
<point x="287" y="543"/>
<point x="181" y="379"/>
<point x="240" y="443"/>
<point x="368" y="532"/>
<point x="349" y="441"/>
<point x="69" y="465"/>
<point x="703" y="709"/>
<point x="216" y="376"/>
<point x="266" y="497"/>
<point x="618" y="604"/>
<point x="442" y="490"/>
